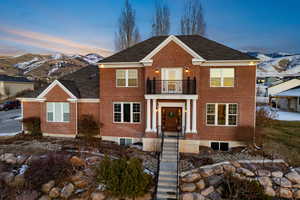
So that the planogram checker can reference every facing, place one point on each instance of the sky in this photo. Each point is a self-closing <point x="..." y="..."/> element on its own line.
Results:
<point x="85" y="26"/>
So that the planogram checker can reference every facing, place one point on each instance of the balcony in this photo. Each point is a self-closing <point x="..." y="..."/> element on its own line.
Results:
<point x="187" y="86"/>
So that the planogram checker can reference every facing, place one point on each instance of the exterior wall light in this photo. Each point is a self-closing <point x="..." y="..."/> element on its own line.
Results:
<point x="156" y="71"/>
<point x="187" y="70"/>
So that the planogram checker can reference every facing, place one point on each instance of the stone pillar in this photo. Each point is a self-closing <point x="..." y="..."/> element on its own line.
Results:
<point x="194" y="117"/>
<point x="148" y="124"/>
<point x="154" y="115"/>
<point x="188" y="116"/>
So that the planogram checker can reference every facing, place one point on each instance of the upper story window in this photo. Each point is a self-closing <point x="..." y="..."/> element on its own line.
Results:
<point x="220" y="114"/>
<point x="127" y="78"/>
<point x="58" y="112"/>
<point x="127" y="112"/>
<point x="222" y="77"/>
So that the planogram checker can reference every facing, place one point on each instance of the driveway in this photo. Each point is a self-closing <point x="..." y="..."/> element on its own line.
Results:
<point x="10" y="122"/>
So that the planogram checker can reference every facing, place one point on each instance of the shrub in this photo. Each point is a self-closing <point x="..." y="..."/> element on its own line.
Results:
<point x="33" y="125"/>
<point x="123" y="178"/>
<point x="265" y="117"/>
<point x="51" y="167"/>
<point x="87" y="126"/>
<point x="237" y="189"/>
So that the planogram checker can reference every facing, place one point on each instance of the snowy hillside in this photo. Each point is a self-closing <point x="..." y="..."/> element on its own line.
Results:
<point x="277" y="64"/>
<point x="37" y="66"/>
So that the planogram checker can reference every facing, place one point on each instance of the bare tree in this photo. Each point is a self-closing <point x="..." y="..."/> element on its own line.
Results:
<point x="128" y="33"/>
<point x="192" y="21"/>
<point x="161" y="19"/>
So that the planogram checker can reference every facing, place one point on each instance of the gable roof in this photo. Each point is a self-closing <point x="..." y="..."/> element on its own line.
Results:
<point x="83" y="83"/>
<point x="295" y="92"/>
<point x="7" y="78"/>
<point x="207" y="49"/>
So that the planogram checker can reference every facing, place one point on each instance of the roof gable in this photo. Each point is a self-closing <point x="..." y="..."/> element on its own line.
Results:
<point x="198" y="46"/>
<point x="52" y="85"/>
<point x="148" y="58"/>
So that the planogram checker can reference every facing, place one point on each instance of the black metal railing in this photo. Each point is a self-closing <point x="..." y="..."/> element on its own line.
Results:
<point x="178" y="164"/>
<point x="187" y="86"/>
<point x="160" y="134"/>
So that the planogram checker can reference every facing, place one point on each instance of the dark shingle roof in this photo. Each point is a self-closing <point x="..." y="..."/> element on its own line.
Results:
<point x="4" y="77"/>
<point x="208" y="49"/>
<point x="83" y="83"/>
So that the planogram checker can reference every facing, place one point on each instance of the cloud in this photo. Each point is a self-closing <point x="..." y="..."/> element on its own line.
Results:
<point x="49" y="42"/>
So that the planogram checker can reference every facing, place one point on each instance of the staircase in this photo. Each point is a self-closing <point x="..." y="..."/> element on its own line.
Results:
<point x="168" y="169"/>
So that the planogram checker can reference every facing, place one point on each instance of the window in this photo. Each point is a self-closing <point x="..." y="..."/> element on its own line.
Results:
<point x="58" y="112"/>
<point x="125" y="141"/>
<point x="222" y="77"/>
<point x="127" y="78"/>
<point x="223" y="146"/>
<point x="221" y="114"/>
<point x="127" y="112"/>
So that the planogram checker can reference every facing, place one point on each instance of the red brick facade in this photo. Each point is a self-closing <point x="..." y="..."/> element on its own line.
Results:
<point x="172" y="55"/>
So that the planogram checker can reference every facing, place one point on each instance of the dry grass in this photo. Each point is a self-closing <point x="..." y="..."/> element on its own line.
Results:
<point x="283" y="140"/>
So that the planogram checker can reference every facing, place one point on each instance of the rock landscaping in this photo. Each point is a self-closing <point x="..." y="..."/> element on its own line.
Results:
<point x="80" y="181"/>
<point x="275" y="177"/>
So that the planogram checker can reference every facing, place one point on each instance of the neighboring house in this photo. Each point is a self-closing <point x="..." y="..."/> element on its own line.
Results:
<point x="187" y="84"/>
<point x="288" y="100"/>
<point x="10" y="85"/>
<point x="283" y="86"/>
<point x="286" y="95"/>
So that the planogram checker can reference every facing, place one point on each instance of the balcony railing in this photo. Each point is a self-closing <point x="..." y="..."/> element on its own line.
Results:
<point x="187" y="86"/>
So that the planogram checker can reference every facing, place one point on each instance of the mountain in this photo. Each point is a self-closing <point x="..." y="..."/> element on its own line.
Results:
<point x="45" y="67"/>
<point x="277" y="64"/>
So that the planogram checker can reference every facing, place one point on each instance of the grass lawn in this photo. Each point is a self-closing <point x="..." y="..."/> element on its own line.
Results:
<point x="283" y="139"/>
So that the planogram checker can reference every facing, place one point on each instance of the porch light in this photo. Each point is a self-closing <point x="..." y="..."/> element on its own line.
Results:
<point x="187" y="70"/>
<point x="157" y="71"/>
<point x="251" y="63"/>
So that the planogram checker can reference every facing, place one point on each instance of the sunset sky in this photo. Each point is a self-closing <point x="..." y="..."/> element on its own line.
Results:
<point x="77" y="26"/>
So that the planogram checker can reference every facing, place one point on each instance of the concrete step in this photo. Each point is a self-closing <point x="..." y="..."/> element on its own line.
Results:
<point x="167" y="189"/>
<point x="166" y="195"/>
<point x="167" y="178"/>
<point x="167" y="182"/>
<point x="174" y="187"/>
<point x="167" y="172"/>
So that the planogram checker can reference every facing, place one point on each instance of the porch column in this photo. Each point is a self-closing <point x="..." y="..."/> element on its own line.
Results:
<point x="154" y="115"/>
<point x="194" y="115"/>
<point x="148" y="125"/>
<point x="188" y="116"/>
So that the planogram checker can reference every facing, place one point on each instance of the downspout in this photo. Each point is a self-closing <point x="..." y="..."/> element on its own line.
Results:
<point x="76" y="117"/>
<point x="254" y="129"/>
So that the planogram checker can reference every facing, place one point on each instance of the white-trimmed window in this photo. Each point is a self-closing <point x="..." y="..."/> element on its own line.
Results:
<point x="221" y="114"/>
<point x="127" y="112"/>
<point x="125" y="141"/>
<point x="58" y="112"/>
<point x="127" y="78"/>
<point x="222" y="77"/>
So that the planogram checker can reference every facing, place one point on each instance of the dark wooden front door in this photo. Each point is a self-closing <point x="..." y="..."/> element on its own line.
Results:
<point x="171" y="118"/>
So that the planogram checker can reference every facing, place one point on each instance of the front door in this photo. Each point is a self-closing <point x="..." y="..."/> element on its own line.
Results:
<point x="171" y="118"/>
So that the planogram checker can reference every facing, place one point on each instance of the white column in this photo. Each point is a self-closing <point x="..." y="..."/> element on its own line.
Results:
<point x="188" y="116"/>
<point x="154" y="115"/>
<point x="194" y="117"/>
<point x="148" y="125"/>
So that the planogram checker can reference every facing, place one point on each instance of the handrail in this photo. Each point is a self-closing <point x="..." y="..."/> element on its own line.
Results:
<point x="185" y="86"/>
<point x="160" y="133"/>
<point x="178" y="166"/>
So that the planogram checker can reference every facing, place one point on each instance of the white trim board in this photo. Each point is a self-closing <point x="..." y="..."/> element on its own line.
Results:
<point x="147" y="61"/>
<point x="172" y="104"/>
<point x="170" y="96"/>
<point x="52" y="85"/>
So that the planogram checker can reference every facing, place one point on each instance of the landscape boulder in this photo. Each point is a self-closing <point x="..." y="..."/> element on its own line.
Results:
<point x="285" y="193"/>
<point x="277" y="174"/>
<point x="200" y="184"/>
<point x="48" y="186"/>
<point x="265" y="181"/>
<point x="229" y="168"/>
<point x="54" y="193"/>
<point x="188" y="187"/>
<point x="245" y="172"/>
<point x="283" y="182"/>
<point x="270" y="191"/>
<point x="67" y="191"/>
<point x="263" y="172"/>
<point x="206" y="172"/>
<point x="294" y="177"/>
<point x="207" y="191"/>
<point x="76" y="161"/>
<point x="191" y="177"/>
<point x="97" y="196"/>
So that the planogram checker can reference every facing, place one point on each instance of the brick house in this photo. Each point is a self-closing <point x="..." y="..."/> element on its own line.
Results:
<point x="185" y="84"/>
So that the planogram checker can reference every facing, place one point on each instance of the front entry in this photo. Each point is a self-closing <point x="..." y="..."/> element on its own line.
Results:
<point x="171" y="118"/>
